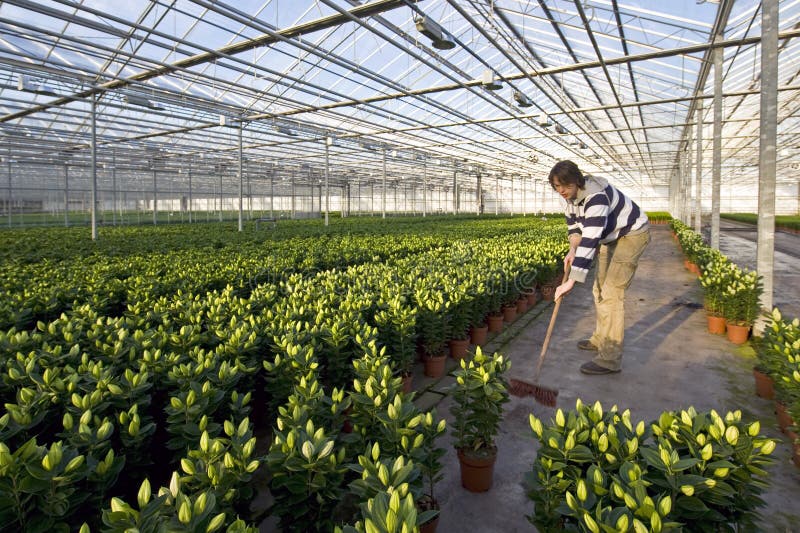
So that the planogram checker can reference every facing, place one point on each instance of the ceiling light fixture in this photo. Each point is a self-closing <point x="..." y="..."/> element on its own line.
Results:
<point x="366" y="145"/>
<point x="286" y="131"/>
<point x="544" y="120"/>
<point x="28" y="84"/>
<point x="228" y="120"/>
<point x="141" y="101"/>
<point x="489" y="81"/>
<point x="522" y="100"/>
<point x="439" y="39"/>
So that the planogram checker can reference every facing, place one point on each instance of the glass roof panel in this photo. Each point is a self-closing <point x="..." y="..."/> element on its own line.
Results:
<point x="617" y="78"/>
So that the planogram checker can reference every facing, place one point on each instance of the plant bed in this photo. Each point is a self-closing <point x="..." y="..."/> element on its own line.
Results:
<point x="604" y="471"/>
<point x="478" y="396"/>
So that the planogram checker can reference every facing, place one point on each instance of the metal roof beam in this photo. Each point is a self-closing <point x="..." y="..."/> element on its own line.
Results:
<point x="365" y="10"/>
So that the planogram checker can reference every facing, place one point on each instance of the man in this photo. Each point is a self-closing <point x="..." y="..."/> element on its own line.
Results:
<point x="602" y="222"/>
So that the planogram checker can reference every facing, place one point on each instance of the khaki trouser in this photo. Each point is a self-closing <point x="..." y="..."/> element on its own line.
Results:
<point x="615" y="266"/>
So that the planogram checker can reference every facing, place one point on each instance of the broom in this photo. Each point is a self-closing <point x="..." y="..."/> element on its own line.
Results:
<point x="543" y="395"/>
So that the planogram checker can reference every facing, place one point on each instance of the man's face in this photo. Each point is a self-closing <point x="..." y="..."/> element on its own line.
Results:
<point x="569" y="191"/>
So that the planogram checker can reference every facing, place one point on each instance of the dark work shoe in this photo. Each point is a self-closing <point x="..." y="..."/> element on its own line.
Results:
<point x="593" y="368"/>
<point x="586" y="344"/>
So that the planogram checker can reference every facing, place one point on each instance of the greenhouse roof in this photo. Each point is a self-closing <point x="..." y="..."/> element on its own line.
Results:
<point x="500" y="87"/>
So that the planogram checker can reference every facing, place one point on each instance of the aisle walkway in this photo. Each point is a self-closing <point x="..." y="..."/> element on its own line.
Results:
<point x="670" y="363"/>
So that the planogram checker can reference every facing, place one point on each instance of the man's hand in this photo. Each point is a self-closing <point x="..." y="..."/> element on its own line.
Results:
<point x="564" y="288"/>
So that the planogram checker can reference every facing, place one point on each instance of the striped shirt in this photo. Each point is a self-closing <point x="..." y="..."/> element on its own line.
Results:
<point x="600" y="214"/>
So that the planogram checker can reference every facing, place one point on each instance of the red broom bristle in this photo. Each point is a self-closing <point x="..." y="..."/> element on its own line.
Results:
<point x="543" y="395"/>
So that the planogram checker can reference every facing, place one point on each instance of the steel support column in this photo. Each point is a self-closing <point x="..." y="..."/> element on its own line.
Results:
<point x="155" y="193"/>
<point x="716" y="168"/>
<point x="190" y="191"/>
<point x="425" y="187"/>
<point x="383" y="194"/>
<point x="240" y="170"/>
<point x="765" y="249"/>
<point x="698" y="176"/>
<point x="66" y="194"/>
<point x="328" y="142"/>
<point x="93" y="141"/>
<point x="478" y="178"/>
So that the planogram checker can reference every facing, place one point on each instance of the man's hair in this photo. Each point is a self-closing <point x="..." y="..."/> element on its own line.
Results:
<point x="567" y="173"/>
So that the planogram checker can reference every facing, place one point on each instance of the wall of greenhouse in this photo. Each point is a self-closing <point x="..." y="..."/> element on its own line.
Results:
<point x="55" y="195"/>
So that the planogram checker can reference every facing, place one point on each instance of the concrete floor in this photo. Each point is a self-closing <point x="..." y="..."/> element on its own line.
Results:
<point x="670" y="363"/>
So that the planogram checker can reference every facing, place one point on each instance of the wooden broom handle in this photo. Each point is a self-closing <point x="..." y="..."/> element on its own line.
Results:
<point x="550" y="329"/>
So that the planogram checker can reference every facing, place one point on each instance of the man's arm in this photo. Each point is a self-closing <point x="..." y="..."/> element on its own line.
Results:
<point x="574" y="241"/>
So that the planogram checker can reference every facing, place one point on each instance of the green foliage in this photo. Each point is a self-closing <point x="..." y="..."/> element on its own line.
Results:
<point x="187" y="417"/>
<point x="432" y="322"/>
<point x="659" y="217"/>
<point x="428" y="455"/>
<point x="741" y="299"/>
<point x="480" y="306"/>
<point x="144" y="341"/>
<point x="397" y="320"/>
<point x="692" y="244"/>
<point x="307" y="471"/>
<point x="225" y="465"/>
<point x="374" y="387"/>
<point x="715" y="279"/>
<point x="387" y="512"/>
<point x="778" y="353"/>
<point x="728" y="290"/>
<point x="382" y="475"/>
<point x="391" y="424"/>
<point x="791" y="222"/>
<point x="598" y="471"/>
<point x="478" y="396"/>
<point x="778" y="349"/>
<point x="172" y="509"/>
<point x="40" y="487"/>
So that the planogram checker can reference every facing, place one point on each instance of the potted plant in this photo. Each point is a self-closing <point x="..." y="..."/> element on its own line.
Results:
<point x="549" y="278"/>
<point x="770" y="357"/>
<point x="459" y="317"/>
<point x="693" y="248"/>
<point x="428" y="457"/>
<point x="495" y="287"/>
<point x="383" y="476"/>
<point x="599" y="470"/>
<point x="715" y="281"/>
<point x="526" y="281"/>
<point x="431" y="325"/>
<point x="510" y="302"/>
<point x="741" y="303"/>
<point x="396" y="321"/>
<point x="478" y="327"/>
<point x="781" y="341"/>
<point x="478" y="396"/>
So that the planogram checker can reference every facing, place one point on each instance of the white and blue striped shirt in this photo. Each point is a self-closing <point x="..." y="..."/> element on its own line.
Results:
<point x="601" y="214"/>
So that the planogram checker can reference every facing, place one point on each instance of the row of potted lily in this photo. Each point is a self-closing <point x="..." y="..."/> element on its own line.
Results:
<point x="730" y="294"/>
<point x="731" y="299"/>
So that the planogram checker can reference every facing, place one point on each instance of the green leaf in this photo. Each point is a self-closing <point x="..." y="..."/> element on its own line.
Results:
<point x="684" y="464"/>
<point x="691" y="504"/>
